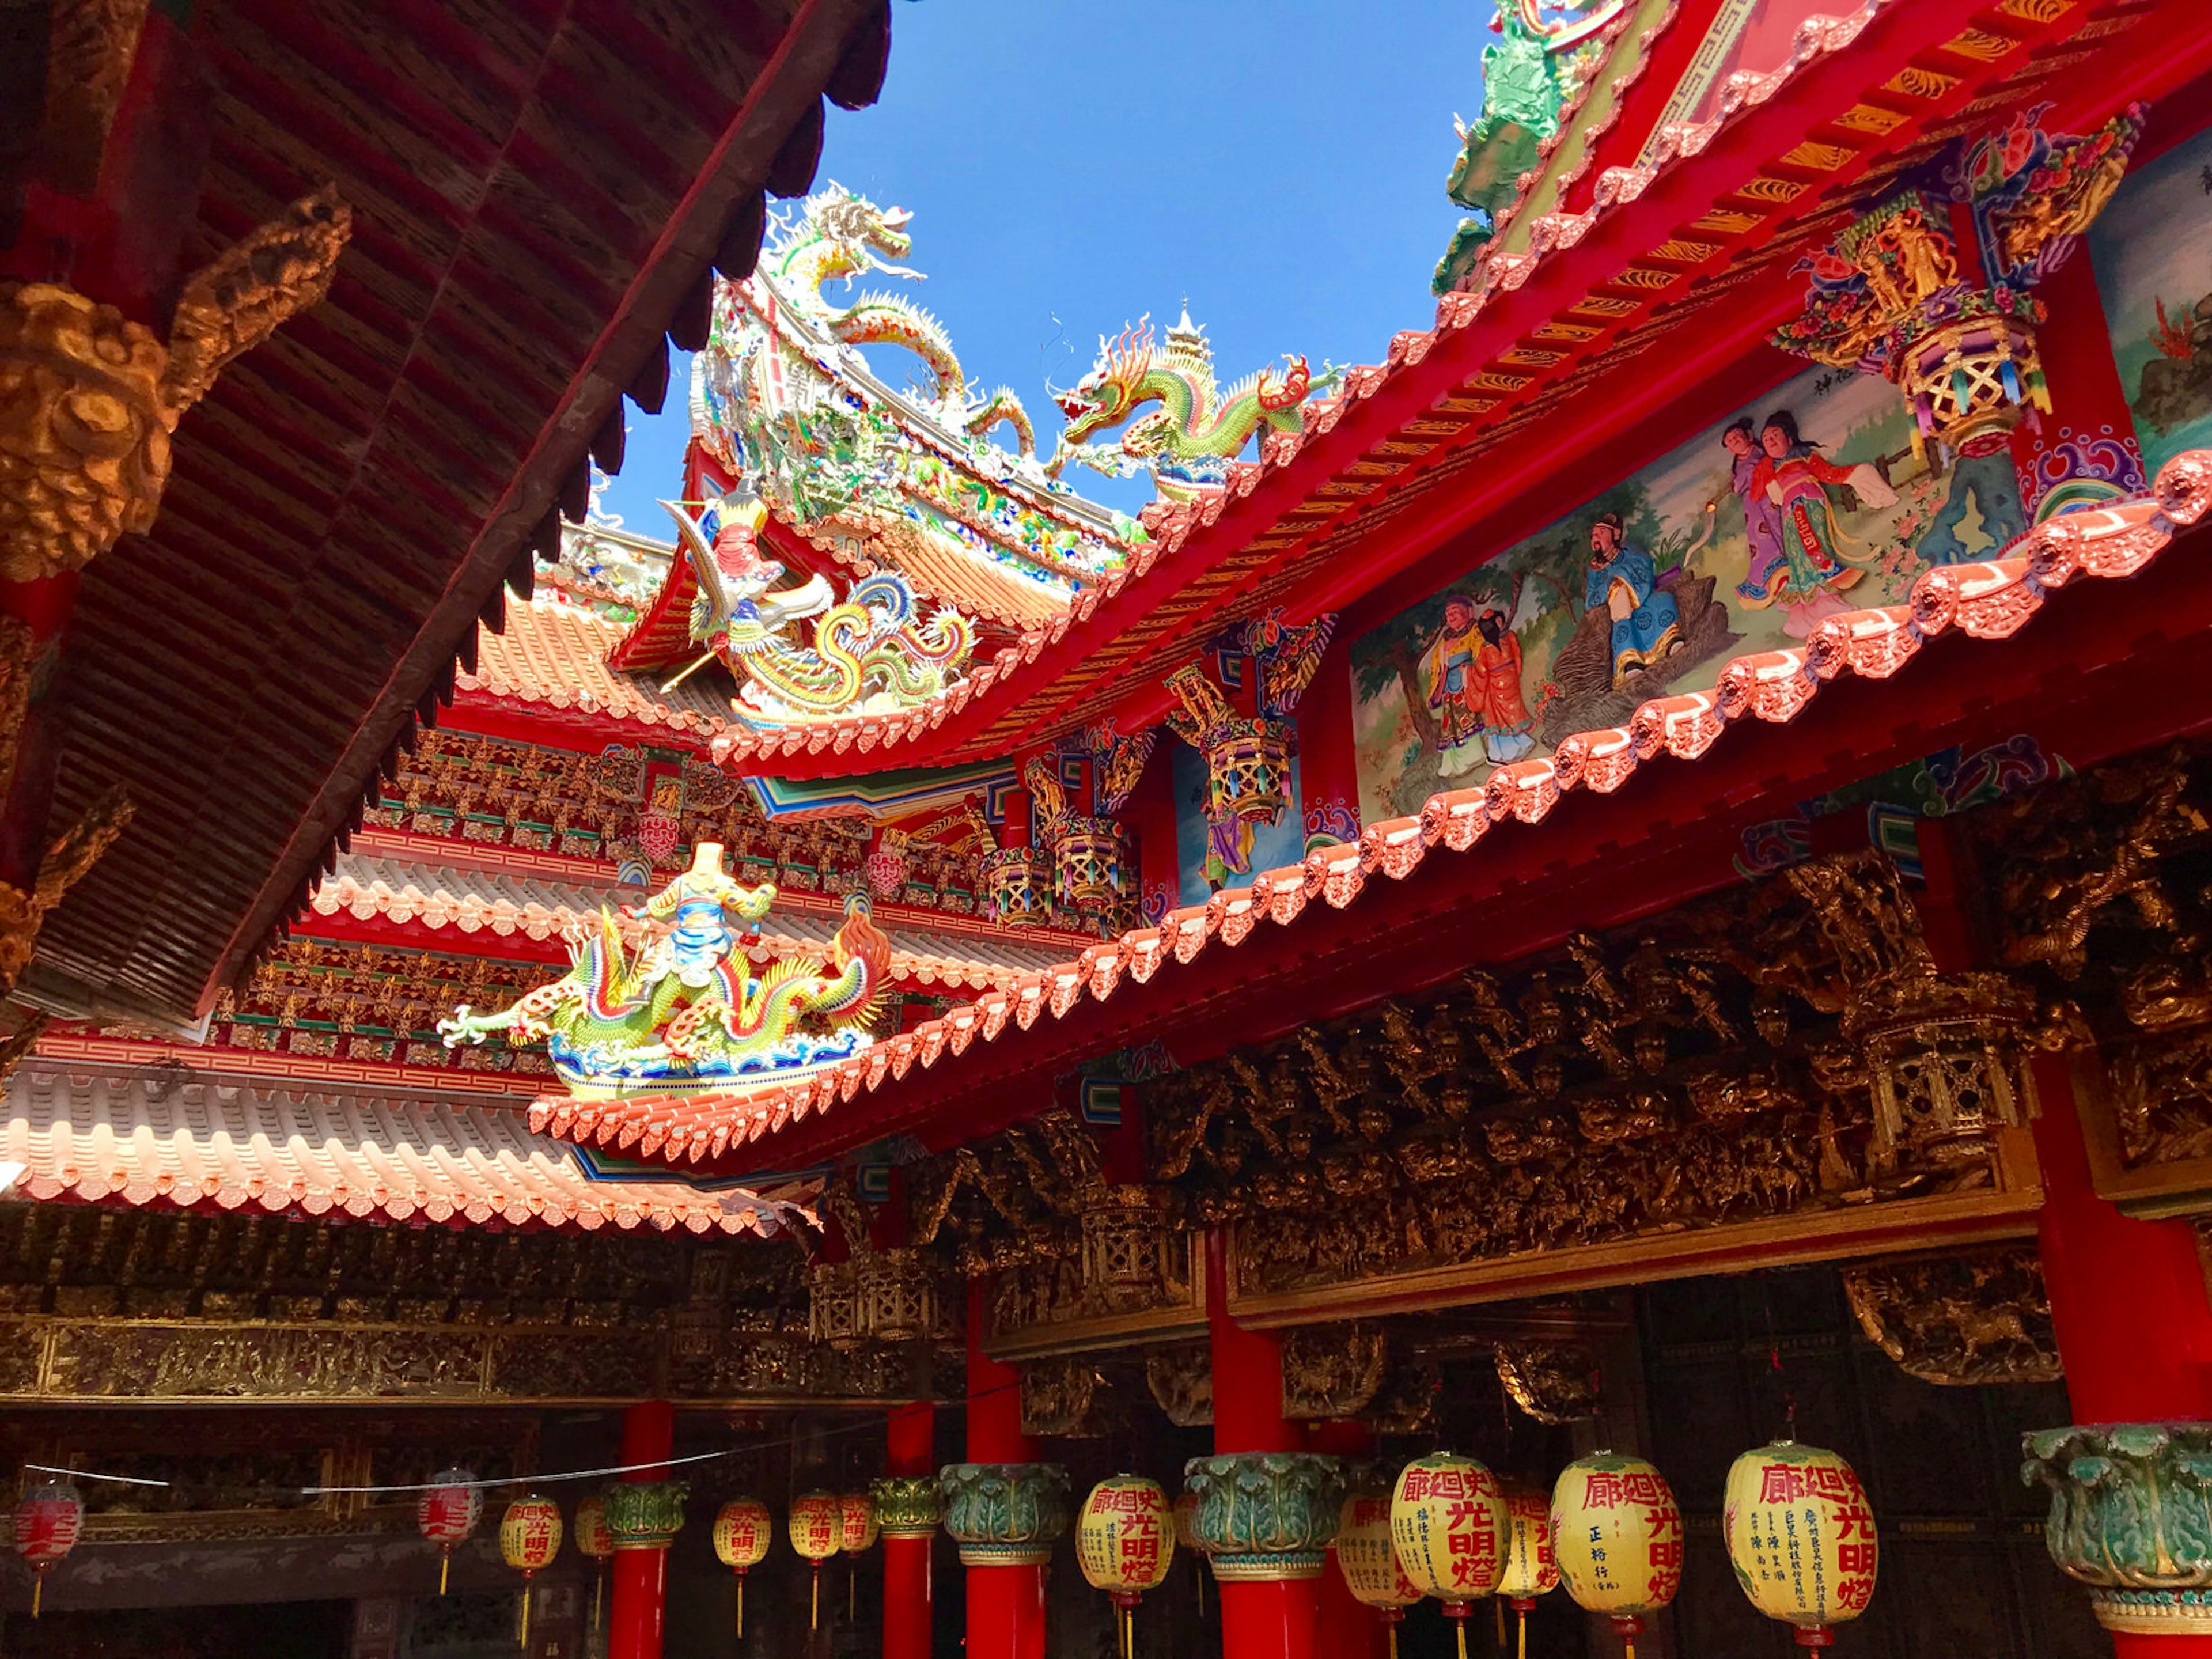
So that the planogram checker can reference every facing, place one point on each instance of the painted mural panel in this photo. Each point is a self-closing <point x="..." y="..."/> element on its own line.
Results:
<point x="1806" y="504"/>
<point x="2153" y="253"/>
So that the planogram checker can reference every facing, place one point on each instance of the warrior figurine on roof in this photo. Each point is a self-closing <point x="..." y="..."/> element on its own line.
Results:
<point x="684" y="1012"/>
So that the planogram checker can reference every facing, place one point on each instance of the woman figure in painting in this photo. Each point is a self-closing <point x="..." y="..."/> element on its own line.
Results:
<point x="1507" y="723"/>
<point x="1795" y="478"/>
<point x="1762" y="519"/>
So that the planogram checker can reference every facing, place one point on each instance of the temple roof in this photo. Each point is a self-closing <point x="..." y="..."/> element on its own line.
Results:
<point x="1629" y="297"/>
<point x="441" y="898"/>
<point x="144" y="1137"/>
<point x="537" y="195"/>
<point x="553" y="657"/>
<point x="1985" y="601"/>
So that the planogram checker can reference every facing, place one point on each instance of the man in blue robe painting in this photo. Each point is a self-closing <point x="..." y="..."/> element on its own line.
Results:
<point x="1623" y="582"/>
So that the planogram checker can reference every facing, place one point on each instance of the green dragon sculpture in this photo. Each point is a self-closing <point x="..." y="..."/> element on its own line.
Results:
<point x="685" y="1012"/>
<point x="1525" y="79"/>
<point x="1199" y="427"/>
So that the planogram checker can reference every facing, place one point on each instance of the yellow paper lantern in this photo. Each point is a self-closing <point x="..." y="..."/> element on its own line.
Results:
<point x="743" y="1528"/>
<point x="1448" y="1522"/>
<point x="816" y="1525"/>
<point x="1368" y="1559"/>
<point x="1617" y="1535"/>
<point x="1532" y="1569"/>
<point x="1125" y="1541"/>
<point x="596" y="1543"/>
<point x="529" y="1539"/>
<point x="447" y="1513"/>
<point x="1185" y="1537"/>
<point x="856" y="1522"/>
<point x="1801" y="1535"/>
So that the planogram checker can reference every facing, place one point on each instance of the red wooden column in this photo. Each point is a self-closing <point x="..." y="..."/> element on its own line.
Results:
<point x="1328" y="773"/>
<point x="1005" y="1604"/>
<point x="1348" y="1628"/>
<point x="639" y="1610"/>
<point x="1272" y="1619"/>
<point x="909" y="1452"/>
<point x="2127" y="1300"/>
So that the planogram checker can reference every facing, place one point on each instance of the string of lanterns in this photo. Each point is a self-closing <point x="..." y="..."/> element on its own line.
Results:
<point x="1799" y="1530"/>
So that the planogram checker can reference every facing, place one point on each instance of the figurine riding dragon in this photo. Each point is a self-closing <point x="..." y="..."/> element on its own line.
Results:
<point x="684" y="1012"/>
<point x="1199" y="426"/>
<point x="870" y="652"/>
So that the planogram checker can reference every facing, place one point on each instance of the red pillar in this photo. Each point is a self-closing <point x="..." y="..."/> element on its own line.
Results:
<point x="1274" y="1618"/>
<point x="1349" y="1628"/>
<point x="640" y="1606"/>
<point x="1005" y="1605"/>
<point x="908" y="1450"/>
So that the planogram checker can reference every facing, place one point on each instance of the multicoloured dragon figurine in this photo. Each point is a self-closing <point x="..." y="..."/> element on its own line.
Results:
<point x="683" y="1011"/>
<point x="871" y="651"/>
<point x="1199" y="426"/>
<point x="896" y="478"/>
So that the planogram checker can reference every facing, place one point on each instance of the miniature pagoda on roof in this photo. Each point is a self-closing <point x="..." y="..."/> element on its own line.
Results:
<point x="1625" y="890"/>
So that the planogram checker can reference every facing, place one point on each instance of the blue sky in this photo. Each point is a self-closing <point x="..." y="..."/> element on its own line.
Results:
<point x="1073" y="164"/>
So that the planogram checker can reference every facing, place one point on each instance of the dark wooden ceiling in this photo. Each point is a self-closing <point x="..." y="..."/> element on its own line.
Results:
<point x="539" y="189"/>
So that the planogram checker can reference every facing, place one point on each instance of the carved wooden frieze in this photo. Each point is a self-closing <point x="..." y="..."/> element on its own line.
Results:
<point x="1759" y="1076"/>
<point x="1968" y="1319"/>
<point x="1552" y="1381"/>
<point x="1333" y="1371"/>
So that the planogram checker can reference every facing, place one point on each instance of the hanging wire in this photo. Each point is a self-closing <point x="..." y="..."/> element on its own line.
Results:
<point x="870" y="1425"/>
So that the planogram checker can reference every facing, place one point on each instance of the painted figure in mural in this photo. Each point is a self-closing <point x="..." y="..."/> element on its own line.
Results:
<point x="1762" y="519"/>
<point x="1507" y="723"/>
<point x="1456" y="689"/>
<point x="1795" y="478"/>
<point x="1623" y="582"/>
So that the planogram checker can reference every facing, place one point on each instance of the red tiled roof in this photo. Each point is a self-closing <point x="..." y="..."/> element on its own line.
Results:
<point x="139" y="1138"/>
<point x="554" y="655"/>
<point x="1989" y="600"/>
<point x="470" y="902"/>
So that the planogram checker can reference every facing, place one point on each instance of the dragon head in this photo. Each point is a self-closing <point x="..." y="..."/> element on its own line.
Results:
<point x="1107" y="395"/>
<point x="856" y="231"/>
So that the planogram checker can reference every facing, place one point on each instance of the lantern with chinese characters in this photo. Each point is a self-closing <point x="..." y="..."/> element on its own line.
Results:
<point x="1618" y="1536"/>
<point x="1531" y="1568"/>
<point x="596" y="1544"/>
<point x="856" y="1536"/>
<point x="529" y="1539"/>
<point x="48" y="1519"/>
<point x="816" y="1525"/>
<point x="1801" y="1535"/>
<point x="1125" y="1542"/>
<point x="1448" y="1522"/>
<point x="742" y="1528"/>
<point x="1368" y="1559"/>
<point x="1185" y="1537"/>
<point x="447" y="1513"/>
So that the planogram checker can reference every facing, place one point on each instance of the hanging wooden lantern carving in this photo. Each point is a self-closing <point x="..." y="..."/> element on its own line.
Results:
<point x="1617" y="1535"/>
<point x="529" y="1539"/>
<point x="742" y="1528"/>
<point x="1125" y="1543"/>
<point x="1448" y="1520"/>
<point x="1801" y="1535"/>
<point x="1018" y="882"/>
<point x="1091" y="863"/>
<point x="447" y="1513"/>
<point x="48" y="1520"/>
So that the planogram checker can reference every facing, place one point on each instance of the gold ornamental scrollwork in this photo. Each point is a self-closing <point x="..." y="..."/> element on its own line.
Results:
<point x="1333" y="1371"/>
<point x="88" y="397"/>
<point x="1551" y="1381"/>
